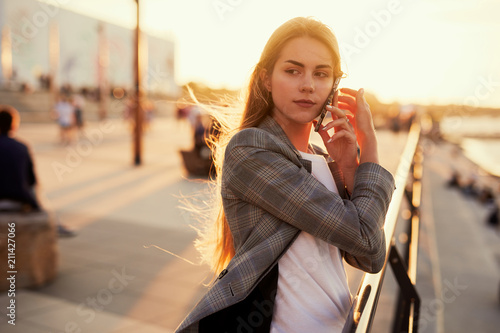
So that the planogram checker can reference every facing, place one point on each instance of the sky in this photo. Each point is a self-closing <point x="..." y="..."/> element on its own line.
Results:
<point x="408" y="51"/>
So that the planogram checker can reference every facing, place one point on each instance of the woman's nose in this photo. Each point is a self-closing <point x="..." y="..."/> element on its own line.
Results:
<point x="307" y="85"/>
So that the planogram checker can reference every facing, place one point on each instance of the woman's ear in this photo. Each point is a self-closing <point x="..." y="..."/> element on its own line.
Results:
<point x="266" y="79"/>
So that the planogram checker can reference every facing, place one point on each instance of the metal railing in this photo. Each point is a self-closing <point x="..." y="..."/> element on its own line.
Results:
<point x="404" y="266"/>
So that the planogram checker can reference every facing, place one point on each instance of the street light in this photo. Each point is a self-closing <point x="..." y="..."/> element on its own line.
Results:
<point x="138" y="114"/>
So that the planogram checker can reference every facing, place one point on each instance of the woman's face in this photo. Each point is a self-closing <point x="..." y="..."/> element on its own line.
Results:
<point x="301" y="80"/>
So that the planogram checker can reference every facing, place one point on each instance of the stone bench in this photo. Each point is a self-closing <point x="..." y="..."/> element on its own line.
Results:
<point x="36" y="249"/>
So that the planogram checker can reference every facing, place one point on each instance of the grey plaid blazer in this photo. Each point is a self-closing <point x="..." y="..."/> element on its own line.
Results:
<point x="269" y="196"/>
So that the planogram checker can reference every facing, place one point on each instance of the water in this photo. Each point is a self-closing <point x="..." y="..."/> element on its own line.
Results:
<point x="483" y="152"/>
<point x="479" y="137"/>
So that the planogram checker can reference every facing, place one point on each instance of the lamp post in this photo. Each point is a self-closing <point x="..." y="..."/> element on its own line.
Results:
<point x="102" y="71"/>
<point x="138" y="111"/>
<point x="54" y="55"/>
<point x="5" y="57"/>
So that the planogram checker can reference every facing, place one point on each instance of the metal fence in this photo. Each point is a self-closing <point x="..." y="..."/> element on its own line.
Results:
<point x="404" y="265"/>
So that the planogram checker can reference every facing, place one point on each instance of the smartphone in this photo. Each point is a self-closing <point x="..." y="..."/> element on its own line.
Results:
<point x="328" y="101"/>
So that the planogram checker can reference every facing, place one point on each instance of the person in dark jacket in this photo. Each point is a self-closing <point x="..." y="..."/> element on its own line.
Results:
<point x="17" y="176"/>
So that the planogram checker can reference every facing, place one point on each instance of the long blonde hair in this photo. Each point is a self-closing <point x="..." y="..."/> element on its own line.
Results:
<point x="215" y="242"/>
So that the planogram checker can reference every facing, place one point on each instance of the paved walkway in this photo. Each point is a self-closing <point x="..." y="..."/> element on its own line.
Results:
<point x="459" y="252"/>
<point x="119" y="210"/>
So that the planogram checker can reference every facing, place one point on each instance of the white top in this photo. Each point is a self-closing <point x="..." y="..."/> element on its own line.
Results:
<point x="313" y="294"/>
<point x="64" y="113"/>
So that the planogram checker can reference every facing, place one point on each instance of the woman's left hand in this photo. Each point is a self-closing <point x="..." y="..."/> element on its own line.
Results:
<point x="342" y="145"/>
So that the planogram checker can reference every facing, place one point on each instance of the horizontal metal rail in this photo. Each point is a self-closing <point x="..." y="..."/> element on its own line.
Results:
<point x="365" y="302"/>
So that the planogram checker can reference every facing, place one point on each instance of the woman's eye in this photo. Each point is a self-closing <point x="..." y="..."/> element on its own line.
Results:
<point x="322" y="74"/>
<point x="292" y="71"/>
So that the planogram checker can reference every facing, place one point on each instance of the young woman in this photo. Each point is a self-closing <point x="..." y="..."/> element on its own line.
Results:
<point x="291" y="212"/>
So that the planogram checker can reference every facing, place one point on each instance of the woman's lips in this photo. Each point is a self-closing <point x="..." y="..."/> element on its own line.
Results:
<point x="305" y="103"/>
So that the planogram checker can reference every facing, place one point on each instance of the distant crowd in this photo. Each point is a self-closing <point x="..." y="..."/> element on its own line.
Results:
<point x="469" y="187"/>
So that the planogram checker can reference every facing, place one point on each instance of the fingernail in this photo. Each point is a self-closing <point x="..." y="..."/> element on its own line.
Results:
<point x="362" y="90"/>
<point x="324" y="128"/>
<point x="330" y="140"/>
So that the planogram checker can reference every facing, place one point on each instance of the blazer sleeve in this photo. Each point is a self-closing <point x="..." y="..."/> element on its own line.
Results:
<point x="258" y="172"/>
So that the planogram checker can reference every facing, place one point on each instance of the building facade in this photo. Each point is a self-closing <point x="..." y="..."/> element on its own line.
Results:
<point x="40" y="40"/>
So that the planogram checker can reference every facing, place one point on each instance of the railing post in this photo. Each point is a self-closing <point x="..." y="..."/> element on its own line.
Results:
<point x="362" y="312"/>
<point x="406" y="317"/>
<point x="408" y="304"/>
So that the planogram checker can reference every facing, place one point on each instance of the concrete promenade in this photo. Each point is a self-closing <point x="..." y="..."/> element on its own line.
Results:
<point x="112" y="280"/>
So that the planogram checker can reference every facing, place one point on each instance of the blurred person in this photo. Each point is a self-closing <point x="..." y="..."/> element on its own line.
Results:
<point x="64" y="112"/>
<point x="469" y="188"/>
<point x="181" y="111"/>
<point x="486" y="195"/>
<point x="149" y="109"/>
<point x="44" y="81"/>
<point x="17" y="176"/>
<point x="26" y="88"/>
<point x="193" y="112"/>
<point x="78" y="103"/>
<point x="129" y="109"/>
<point x="454" y="180"/>
<point x="488" y="198"/>
<point x="181" y="114"/>
<point x="493" y="217"/>
<point x="394" y="121"/>
<point x="199" y="160"/>
<point x="200" y="134"/>
<point x="66" y="89"/>
<point x="129" y="112"/>
<point x="284" y="202"/>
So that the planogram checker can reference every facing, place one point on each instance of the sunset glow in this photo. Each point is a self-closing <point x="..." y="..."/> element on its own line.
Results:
<point x="408" y="51"/>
